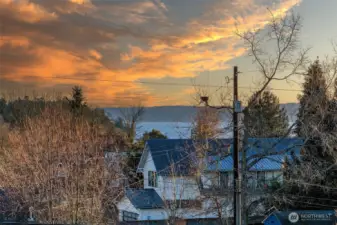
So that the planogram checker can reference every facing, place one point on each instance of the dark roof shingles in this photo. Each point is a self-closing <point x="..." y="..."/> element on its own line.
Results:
<point x="178" y="155"/>
<point x="144" y="198"/>
<point x="182" y="153"/>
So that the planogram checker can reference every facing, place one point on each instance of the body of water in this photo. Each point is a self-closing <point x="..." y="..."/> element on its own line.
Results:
<point x="173" y="130"/>
<point x="177" y="130"/>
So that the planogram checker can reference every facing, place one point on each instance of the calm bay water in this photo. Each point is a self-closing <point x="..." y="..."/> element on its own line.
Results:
<point x="176" y="130"/>
<point x="173" y="130"/>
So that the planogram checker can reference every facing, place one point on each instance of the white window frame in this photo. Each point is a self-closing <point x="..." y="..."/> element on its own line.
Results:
<point x="152" y="179"/>
<point x="129" y="216"/>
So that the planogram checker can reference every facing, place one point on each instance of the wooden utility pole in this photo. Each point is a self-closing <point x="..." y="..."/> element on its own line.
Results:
<point x="236" y="173"/>
<point x="237" y="183"/>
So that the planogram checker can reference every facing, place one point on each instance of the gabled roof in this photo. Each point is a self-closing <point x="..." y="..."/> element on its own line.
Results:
<point x="144" y="198"/>
<point x="262" y="154"/>
<point x="179" y="155"/>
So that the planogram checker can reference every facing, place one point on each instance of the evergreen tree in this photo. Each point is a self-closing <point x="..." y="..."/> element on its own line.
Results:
<point x="313" y="101"/>
<point x="332" y="110"/>
<point x="3" y="104"/>
<point x="134" y="156"/>
<point x="314" y="175"/>
<point x="314" y="117"/>
<point x="265" y="118"/>
<point x="335" y="90"/>
<point x="153" y="134"/>
<point x="77" y="101"/>
<point x="15" y="111"/>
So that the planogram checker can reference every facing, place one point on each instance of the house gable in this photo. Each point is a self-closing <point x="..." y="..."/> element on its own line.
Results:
<point x="146" y="203"/>
<point x="143" y="159"/>
<point x="177" y="156"/>
<point x="149" y="166"/>
<point x="144" y="198"/>
<point x="125" y="205"/>
<point x="177" y="182"/>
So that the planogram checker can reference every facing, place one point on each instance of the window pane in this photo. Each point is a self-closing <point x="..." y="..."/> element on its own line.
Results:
<point x="129" y="216"/>
<point x="261" y="178"/>
<point x="152" y="176"/>
<point x="155" y="183"/>
<point x="223" y="179"/>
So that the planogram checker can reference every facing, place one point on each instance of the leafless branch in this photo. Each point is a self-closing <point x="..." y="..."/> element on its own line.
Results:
<point x="59" y="167"/>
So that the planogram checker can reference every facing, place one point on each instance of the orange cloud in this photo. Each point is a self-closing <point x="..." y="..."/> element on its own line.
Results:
<point x="187" y="55"/>
<point x="27" y="11"/>
<point x="96" y="44"/>
<point x="14" y="41"/>
<point x="80" y="1"/>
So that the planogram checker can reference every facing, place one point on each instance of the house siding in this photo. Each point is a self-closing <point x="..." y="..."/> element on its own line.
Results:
<point x="149" y="166"/>
<point x="179" y="188"/>
<point x="144" y="214"/>
<point x="195" y="214"/>
<point x="187" y="188"/>
<point x="153" y="214"/>
<point x="126" y="205"/>
<point x="210" y="180"/>
<point x="170" y="187"/>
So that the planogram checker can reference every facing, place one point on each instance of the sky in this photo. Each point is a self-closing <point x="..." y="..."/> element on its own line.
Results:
<point x="153" y="52"/>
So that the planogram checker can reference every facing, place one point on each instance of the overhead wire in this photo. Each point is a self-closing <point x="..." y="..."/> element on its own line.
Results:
<point x="118" y="82"/>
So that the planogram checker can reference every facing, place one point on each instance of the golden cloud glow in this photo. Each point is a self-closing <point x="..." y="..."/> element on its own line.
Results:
<point x="80" y="1"/>
<point x="126" y="41"/>
<point x="14" y="41"/>
<point x="27" y="11"/>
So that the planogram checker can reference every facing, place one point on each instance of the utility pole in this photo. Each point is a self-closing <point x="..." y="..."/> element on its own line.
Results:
<point x="236" y="178"/>
<point x="237" y="182"/>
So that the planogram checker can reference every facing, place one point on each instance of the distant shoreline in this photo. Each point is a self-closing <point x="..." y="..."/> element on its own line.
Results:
<point x="184" y="113"/>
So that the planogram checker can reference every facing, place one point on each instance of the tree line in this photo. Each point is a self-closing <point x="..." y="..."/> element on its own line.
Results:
<point x="64" y="159"/>
<point x="309" y="181"/>
<point x="55" y="151"/>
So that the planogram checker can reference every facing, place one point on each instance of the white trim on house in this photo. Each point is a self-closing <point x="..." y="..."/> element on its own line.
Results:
<point x="143" y="159"/>
<point x="171" y="188"/>
<point x="125" y="205"/>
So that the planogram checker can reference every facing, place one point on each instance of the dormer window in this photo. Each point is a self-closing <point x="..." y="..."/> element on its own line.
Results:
<point x="153" y="179"/>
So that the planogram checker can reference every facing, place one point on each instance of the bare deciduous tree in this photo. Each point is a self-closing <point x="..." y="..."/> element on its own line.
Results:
<point x="275" y="52"/>
<point x="59" y="167"/>
<point x="206" y="124"/>
<point x="282" y="33"/>
<point x="130" y="117"/>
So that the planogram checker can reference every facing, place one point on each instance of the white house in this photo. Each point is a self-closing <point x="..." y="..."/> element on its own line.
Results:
<point x="142" y="204"/>
<point x="179" y="183"/>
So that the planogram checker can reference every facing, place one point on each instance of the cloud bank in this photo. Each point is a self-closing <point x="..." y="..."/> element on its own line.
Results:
<point x="48" y="44"/>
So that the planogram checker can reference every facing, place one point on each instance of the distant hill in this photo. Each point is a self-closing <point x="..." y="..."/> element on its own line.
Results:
<point x="185" y="113"/>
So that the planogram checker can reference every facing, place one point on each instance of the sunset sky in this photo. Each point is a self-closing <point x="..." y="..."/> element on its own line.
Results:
<point x="119" y="50"/>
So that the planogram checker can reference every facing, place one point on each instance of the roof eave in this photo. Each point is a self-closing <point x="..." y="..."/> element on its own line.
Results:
<point x="145" y="208"/>
<point x="143" y="158"/>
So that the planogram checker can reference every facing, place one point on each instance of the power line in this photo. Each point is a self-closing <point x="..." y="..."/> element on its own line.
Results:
<point x="159" y="83"/>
